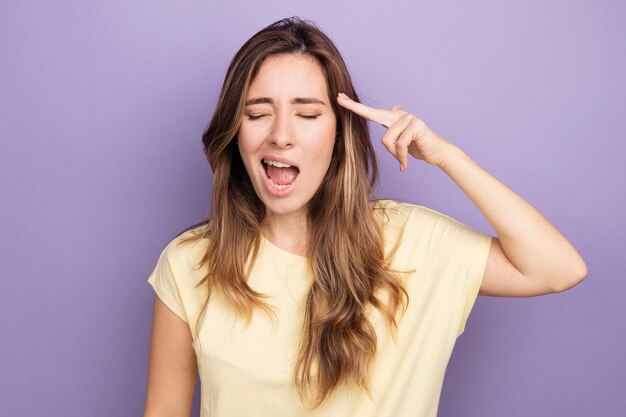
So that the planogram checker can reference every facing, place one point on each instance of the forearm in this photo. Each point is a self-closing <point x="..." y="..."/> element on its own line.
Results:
<point x="535" y="247"/>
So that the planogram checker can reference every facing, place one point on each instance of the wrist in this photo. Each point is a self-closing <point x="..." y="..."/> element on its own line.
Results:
<point x="449" y="156"/>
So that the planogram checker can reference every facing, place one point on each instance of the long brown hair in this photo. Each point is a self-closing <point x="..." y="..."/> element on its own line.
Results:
<point x="346" y="250"/>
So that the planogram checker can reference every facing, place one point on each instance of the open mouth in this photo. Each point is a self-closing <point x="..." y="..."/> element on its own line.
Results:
<point x="280" y="174"/>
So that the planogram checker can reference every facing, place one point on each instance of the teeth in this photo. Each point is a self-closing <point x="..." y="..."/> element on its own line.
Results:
<point x="276" y="163"/>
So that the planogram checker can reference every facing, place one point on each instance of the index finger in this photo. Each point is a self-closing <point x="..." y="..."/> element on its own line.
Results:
<point x="381" y="116"/>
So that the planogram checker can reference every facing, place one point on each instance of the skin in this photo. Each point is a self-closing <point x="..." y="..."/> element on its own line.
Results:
<point x="172" y="366"/>
<point x="286" y="129"/>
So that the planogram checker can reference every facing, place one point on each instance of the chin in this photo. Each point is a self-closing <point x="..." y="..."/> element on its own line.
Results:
<point x="284" y="206"/>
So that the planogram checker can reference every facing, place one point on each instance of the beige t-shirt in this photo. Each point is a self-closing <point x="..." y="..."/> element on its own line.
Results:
<point x="246" y="371"/>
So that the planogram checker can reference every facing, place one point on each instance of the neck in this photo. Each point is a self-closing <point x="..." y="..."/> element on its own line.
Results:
<point x="287" y="231"/>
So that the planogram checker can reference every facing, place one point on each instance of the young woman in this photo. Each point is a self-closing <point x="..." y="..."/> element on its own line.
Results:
<point x="301" y="295"/>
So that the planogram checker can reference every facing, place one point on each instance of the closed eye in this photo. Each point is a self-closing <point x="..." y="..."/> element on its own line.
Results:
<point x="251" y="117"/>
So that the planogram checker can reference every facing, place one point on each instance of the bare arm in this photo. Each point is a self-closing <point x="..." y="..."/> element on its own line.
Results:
<point x="529" y="256"/>
<point x="172" y="367"/>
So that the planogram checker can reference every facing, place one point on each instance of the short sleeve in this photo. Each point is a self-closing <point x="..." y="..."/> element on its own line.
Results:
<point x="466" y="251"/>
<point x="165" y="281"/>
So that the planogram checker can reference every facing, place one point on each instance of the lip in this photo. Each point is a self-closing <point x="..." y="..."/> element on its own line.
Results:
<point x="273" y="191"/>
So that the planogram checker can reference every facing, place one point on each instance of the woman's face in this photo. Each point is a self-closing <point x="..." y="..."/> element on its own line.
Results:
<point x="288" y="119"/>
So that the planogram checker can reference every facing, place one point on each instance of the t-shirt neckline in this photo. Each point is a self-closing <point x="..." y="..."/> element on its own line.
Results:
<point x="283" y="253"/>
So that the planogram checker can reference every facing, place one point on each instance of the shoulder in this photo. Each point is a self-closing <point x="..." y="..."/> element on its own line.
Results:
<point x="185" y="248"/>
<point x="423" y="222"/>
<point x="400" y="212"/>
<point x="433" y="234"/>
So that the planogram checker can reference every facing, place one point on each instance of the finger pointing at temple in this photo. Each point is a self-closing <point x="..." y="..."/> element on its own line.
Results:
<point x="381" y="116"/>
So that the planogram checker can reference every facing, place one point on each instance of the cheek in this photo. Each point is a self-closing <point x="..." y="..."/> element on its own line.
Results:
<point x="246" y="142"/>
<point x="324" y="144"/>
<point x="245" y="149"/>
<point x="331" y="138"/>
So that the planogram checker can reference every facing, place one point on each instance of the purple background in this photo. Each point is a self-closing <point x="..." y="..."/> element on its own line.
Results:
<point x="102" y="105"/>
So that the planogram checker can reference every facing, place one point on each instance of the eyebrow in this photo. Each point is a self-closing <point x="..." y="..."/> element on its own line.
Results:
<point x="296" y="100"/>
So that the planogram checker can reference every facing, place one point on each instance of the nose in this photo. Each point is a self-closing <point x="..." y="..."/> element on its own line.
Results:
<point x="282" y="132"/>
